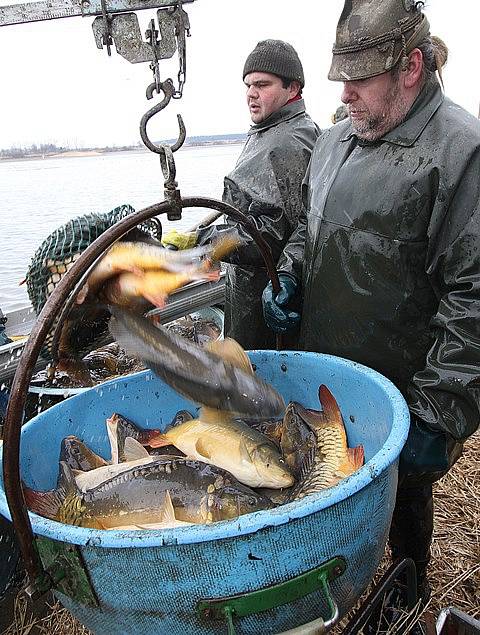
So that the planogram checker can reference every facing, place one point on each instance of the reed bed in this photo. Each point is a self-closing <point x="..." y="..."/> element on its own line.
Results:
<point x="454" y="571"/>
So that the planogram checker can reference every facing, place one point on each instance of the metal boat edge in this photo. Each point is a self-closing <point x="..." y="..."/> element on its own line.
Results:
<point x="192" y="297"/>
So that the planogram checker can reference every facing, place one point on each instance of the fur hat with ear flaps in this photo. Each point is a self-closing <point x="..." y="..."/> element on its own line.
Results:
<point x="374" y="35"/>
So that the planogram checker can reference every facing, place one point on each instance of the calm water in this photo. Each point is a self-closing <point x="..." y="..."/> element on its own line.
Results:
<point x="39" y="195"/>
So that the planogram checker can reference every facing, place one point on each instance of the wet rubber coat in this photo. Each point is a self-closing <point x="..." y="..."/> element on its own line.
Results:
<point x="389" y="256"/>
<point x="266" y="185"/>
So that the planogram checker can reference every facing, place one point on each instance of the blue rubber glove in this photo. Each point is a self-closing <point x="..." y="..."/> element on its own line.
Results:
<point x="275" y="312"/>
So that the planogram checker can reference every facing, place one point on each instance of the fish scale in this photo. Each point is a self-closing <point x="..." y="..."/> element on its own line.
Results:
<point x="324" y="471"/>
<point x="330" y="459"/>
<point x="197" y="492"/>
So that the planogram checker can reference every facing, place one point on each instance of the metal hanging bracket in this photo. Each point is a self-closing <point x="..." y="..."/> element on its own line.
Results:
<point x="55" y="9"/>
<point x="124" y="30"/>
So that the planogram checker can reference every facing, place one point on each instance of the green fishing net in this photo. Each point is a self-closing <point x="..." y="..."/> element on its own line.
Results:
<point x="58" y="252"/>
<point x="61" y="249"/>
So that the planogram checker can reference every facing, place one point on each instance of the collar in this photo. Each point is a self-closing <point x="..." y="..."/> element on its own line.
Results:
<point x="287" y="112"/>
<point x="406" y="133"/>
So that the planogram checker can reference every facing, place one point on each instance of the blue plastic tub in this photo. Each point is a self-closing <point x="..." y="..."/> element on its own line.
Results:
<point x="149" y="582"/>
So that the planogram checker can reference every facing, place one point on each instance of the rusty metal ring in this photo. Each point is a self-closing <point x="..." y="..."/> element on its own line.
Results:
<point x="43" y="324"/>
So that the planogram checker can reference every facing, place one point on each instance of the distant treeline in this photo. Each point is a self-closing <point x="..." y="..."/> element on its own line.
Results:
<point x="46" y="149"/>
<point x="18" y="152"/>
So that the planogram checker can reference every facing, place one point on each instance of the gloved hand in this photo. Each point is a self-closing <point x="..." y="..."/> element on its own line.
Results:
<point x="425" y="455"/>
<point x="179" y="240"/>
<point x="275" y="312"/>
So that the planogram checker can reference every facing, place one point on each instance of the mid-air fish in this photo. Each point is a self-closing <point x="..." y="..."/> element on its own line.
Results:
<point x="197" y="373"/>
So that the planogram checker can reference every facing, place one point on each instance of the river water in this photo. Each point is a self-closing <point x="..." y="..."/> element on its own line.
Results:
<point x="40" y="195"/>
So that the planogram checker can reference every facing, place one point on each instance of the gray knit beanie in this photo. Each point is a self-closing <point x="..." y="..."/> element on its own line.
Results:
<point x="276" y="57"/>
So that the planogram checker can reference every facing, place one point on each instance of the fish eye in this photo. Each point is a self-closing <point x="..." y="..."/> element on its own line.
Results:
<point x="251" y="501"/>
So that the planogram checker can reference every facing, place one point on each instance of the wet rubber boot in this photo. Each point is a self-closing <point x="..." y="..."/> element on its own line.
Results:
<point x="410" y="537"/>
<point x="411" y="531"/>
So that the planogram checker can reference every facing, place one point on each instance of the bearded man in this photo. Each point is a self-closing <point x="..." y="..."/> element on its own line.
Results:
<point x="387" y="253"/>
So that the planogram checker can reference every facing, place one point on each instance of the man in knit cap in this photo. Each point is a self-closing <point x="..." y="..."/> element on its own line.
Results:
<point x="265" y="183"/>
<point x="387" y="254"/>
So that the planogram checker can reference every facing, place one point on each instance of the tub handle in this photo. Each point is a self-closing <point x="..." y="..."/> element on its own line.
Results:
<point x="275" y="596"/>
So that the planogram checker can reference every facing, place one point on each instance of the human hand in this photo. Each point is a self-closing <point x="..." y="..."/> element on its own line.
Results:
<point x="275" y="312"/>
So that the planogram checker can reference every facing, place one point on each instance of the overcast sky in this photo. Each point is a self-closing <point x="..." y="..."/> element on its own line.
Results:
<point x="58" y="87"/>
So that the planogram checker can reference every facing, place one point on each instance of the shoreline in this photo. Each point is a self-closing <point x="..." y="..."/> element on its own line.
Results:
<point x="95" y="152"/>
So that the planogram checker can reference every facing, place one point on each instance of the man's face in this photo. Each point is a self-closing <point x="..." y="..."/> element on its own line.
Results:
<point x="266" y="94"/>
<point x="375" y="105"/>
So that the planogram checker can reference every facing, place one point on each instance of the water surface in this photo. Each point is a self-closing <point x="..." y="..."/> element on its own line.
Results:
<point x="39" y="195"/>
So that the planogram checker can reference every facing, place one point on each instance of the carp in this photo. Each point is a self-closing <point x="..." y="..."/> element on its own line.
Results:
<point x="197" y="373"/>
<point x="297" y="440"/>
<point x="162" y="270"/>
<point x="153" y="286"/>
<point x="217" y="439"/>
<point x="199" y="493"/>
<point x="332" y="459"/>
<point x="78" y="456"/>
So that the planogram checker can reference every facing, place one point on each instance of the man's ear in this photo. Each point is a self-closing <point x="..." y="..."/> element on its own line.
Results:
<point x="412" y="72"/>
<point x="294" y="88"/>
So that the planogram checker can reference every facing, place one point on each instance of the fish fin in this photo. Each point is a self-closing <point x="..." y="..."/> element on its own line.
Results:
<point x="203" y="448"/>
<point x="330" y="414"/>
<point x="169" y="510"/>
<point x="49" y="503"/>
<point x="245" y="454"/>
<point x="43" y="503"/>
<point x="159" y="300"/>
<point x="159" y="440"/>
<point x="134" y="450"/>
<point x="82" y="294"/>
<point x="356" y="456"/>
<point x="212" y="415"/>
<point x="112" y="425"/>
<point x="224" y="245"/>
<point x="329" y="404"/>
<point x="231" y="351"/>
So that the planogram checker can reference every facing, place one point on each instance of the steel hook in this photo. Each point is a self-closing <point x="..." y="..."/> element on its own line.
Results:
<point x="168" y="89"/>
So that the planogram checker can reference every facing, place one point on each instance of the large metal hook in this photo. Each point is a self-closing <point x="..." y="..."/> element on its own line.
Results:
<point x="168" y="90"/>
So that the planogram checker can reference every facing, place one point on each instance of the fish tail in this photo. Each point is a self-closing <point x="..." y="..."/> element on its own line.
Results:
<point x="223" y="246"/>
<point x="356" y="456"/>
<point x="329" y="404"/>
<point x="156" y="439"/>
<point x="43" y="503"/>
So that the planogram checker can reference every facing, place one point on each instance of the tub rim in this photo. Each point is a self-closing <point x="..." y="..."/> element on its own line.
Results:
<point x="255" y="521"/>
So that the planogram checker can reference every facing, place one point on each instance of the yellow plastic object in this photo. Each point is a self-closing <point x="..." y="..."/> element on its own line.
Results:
<point x="180" y="240"/>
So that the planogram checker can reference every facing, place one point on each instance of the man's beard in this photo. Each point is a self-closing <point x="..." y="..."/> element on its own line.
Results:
<point x="394" y="112"/>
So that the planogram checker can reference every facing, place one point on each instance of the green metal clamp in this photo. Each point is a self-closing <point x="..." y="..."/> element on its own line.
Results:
<point x="272" y="597"/>
<point x="65" y="572"/>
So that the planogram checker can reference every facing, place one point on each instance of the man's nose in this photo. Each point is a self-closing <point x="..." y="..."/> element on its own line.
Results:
<point x="348" y="93"/>
<point x="252" y="91"/>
